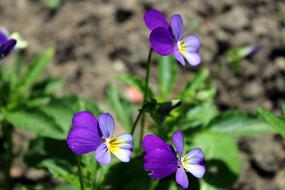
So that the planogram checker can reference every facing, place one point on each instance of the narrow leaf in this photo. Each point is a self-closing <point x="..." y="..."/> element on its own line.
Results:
<point x="239" y="123"/>
<point x="197" y="83"/>
<point x="277" y="123"/>
<point x="119" y="106"/>
<point x="167" y="75"/>
<point x="60" y="169"/>
<point x="34" y="122"/>
<point x="35" y="70"/>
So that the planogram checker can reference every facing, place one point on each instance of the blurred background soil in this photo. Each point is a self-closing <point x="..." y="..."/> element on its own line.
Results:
<point x="95" y="40"/>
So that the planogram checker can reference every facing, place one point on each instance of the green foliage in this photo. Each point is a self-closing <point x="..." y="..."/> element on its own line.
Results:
<point x="167" y="75"/>
<point x="62" y="187"/>
<point x="218" y="162"/>
<point x="61" y="169"/>
<point x="127" y="180"/>
<point x="31" y="102"/>
<point x="34" y="122"/>
<point x="41" y="149"/>
<point x="198" y="115"/>
<point x="193" y="88"/>
<point x="52" y="4"/>
<point x="277" y="123"/>
<point x="238" y="123"/>
<point x="121" y="107"/>
<point x="34" y="71"/>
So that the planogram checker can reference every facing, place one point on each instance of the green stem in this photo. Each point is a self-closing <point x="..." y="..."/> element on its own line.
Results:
<point x="141" y="112"/>
<point x="80" y="171"/>
<point x="142" y="128"/>
<point x="136" y="121"/>
<point x="95" y="181"/>
<point x="8" y="154"/>
<point x="153" y="184"/>
<point x="148" y="64"/>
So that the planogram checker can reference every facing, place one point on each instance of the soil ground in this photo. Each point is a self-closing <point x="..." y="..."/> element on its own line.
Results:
<point x="97" y="39"/>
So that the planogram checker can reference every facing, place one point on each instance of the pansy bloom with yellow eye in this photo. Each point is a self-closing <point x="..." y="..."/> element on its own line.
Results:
<point x="121" y="146"/>
<point x="92" y="135"/>
<point x="168" y="38"/>
<point x="7" y="44"/>
<point x="161" y="160"/>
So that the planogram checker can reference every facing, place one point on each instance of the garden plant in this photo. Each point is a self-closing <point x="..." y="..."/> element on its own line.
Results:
<point x="163" y="136"/>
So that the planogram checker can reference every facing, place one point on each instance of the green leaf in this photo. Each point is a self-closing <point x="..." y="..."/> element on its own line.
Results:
<point x="61" y="110"/>
<point x="277" y="123"/>
<point x="167" y="75"/>
<point x="200" y="114"/>
<point x="34" y="122"/>
<point x="62" y="187"/>
<point x="61" y="169"/>
<point x="36" y="102"/>
<point x="197" y="83"/>
<point x="54" y="85"/>
<point x="222" y="158"/>
<point x="11" y="72"/>
<point x="48" y="86"/>
<point x="35" y="70"/>
<point x="65" y="187"/>
<point x="129" y="176"/>
<point x="40" y="149"/>
<point x="119" y="106"/>
<point x="239" y="123"/>
<point x="159" y="111"/>
<point x="90" y="105"/>
<point x="52" y="4"/>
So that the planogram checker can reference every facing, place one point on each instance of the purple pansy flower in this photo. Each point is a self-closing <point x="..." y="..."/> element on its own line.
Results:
<point x="168" y="38"/>
<point x="121" y="146"/>
<point x="92" y="135"/>
<point x="6" y="44"/>
<point x="85" y="135"/>
<point x="161" y="160"/>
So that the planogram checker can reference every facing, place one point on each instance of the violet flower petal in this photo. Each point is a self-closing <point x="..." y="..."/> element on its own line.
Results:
<point x="3" y="38"/>
<point x="106" y="124"/>
<point x="102" y="154"/>
<point x="181" y="178"/>
<point x="82" y="140"/>
<point x="153" y="142"/>
<point x="194" y="162"/>
<point x="160" y="158"/>
<point x="191" y="44"/>
<point x="161" y="41"/>
<point x="178" y="141"/>
<point x="193" y="59"/>
<point x="154" y="19"/>
<point x="85" y="135"/>
<point x="176" y="24"/>
<point x="122" y="147"/>
<point x="7" y="47"/>
<point x="85" y="119"/>
<point x="178" y="56"/>
<point x="160" y="162"/>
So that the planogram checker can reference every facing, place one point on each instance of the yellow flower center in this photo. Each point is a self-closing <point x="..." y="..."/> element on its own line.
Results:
<point x="181" y="47"/>
<point x="112" y="144"/>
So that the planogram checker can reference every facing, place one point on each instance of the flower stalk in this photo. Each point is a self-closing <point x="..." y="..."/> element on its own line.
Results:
<point x="80" y="171"/>
<point x="8" y="154"/>
<point x="146" y="90"/>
